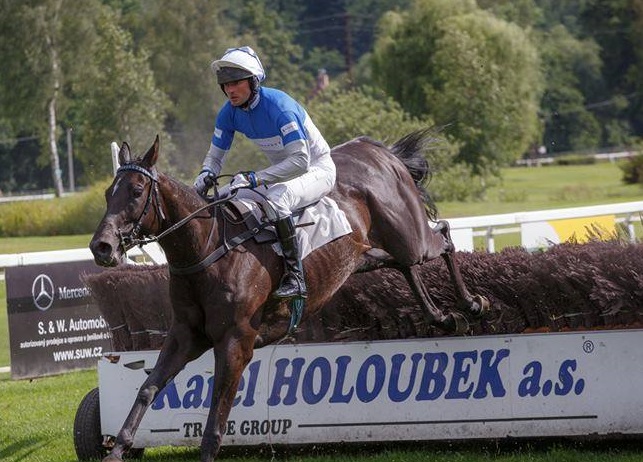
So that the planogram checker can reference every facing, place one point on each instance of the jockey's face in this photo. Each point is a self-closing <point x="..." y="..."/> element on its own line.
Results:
<point x="238" y="92"/>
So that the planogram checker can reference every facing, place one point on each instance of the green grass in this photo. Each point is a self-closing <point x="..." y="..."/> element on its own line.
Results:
<point x="551" y="187"/>
<point x="42" y="244"/>
<point x="36" y="416"/>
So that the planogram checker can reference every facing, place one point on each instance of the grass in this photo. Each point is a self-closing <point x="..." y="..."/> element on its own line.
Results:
<point x="36" y="416"/>
<point x="550" y="187"/>
<point x="42" y="244"/>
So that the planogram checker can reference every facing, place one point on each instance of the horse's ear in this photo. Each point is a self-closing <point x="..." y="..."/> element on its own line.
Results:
<point x="125" y="154"/>
<point x="152" y="154"/>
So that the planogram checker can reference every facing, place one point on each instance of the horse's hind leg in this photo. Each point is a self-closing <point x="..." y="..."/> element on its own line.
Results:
<point x="173" y="356"/>
<point x="452" y="322"/>
<point x="474" y="304"/>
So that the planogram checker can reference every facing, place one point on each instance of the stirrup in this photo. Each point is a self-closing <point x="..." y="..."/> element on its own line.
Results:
<point x="291" y="286"/>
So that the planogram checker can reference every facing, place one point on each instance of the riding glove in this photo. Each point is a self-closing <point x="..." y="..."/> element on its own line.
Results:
<point x="243" y="180"/>
<point x="204" y="181"/>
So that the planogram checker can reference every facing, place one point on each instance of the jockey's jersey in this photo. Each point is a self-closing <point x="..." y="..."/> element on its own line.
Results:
<point x="280" y="127"/>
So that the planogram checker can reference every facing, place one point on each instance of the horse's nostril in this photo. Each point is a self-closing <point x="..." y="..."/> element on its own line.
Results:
<point x="101" y="249"/>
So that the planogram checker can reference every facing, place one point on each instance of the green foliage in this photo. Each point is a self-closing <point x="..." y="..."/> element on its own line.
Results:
<point x="345" y="114"/>
<point x="182" y="39"/>
<point x="465" y="67"/>
<point x="632" y="170"/>
<point x="132" y="68"/>
<point x="575" y="159"/>
<point x="106" y="90"/>
<point x="77" y="214"/>
<point x="263" y="29"/>
<point x="116" y="98"/>
<point x="572" y="75"/>
<point x="457" y="183"/>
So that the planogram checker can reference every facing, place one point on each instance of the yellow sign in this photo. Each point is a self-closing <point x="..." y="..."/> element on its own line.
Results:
<point x="582" y="229"/>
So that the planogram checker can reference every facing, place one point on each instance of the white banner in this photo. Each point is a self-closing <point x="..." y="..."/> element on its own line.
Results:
<point x="526" y="385"/>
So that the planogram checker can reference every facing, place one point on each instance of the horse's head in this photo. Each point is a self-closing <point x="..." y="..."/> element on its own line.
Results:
<point x="133" y="207"/>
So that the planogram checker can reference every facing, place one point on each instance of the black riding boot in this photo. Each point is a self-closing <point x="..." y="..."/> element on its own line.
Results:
<point x="292" y="283"/>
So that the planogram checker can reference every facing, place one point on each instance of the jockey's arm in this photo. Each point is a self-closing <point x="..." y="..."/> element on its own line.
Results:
<point x="214" y="159"/>
<point x="295" y="161"/>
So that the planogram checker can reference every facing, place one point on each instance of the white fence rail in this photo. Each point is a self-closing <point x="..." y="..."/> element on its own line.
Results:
<point x="151" y="253"/>
<point x="463" y="230"/>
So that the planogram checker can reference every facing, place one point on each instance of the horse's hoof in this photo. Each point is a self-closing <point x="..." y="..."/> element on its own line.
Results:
<point x="112" y="458"/>
<point x="456" y="323"/>
<point x="480" y="305"/>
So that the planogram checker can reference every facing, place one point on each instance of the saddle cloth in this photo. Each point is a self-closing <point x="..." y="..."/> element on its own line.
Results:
<point x="316" y="225"/>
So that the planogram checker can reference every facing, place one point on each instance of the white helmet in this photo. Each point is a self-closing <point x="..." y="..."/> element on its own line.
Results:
<point x="237" y="64"/>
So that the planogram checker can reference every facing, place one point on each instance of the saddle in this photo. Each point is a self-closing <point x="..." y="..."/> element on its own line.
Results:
<point x="316" y="225"/>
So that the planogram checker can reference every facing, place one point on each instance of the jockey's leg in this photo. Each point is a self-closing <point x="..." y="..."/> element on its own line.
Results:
<point x="292" y="283"/>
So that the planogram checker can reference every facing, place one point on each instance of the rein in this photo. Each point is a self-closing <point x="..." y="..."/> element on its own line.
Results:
<point x="128" y="241"/>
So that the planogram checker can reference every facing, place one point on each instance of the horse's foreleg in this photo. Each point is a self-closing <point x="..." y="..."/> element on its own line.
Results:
<point x="173" y="356"/>
<point x="452" y="322"/>
<point x="232" y="356"/>
<point x="476" y="305"/>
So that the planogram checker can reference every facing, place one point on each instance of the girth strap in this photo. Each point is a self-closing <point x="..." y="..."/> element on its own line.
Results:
<point x="219" y="251"/>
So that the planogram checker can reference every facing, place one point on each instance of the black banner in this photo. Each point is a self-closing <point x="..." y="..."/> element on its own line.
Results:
<point x="54" y="326"/>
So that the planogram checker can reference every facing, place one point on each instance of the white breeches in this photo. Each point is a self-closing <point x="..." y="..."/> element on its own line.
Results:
<point x="304" y="190"/>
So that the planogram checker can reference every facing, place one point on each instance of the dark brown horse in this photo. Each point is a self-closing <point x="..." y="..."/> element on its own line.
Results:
<point x="226" y="305"/>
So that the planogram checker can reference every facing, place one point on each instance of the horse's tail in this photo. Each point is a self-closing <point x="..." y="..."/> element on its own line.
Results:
<point x="410" y="150"/>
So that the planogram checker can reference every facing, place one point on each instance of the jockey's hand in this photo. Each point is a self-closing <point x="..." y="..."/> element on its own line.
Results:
<point x="243" y="180"/>
<point x="204" y="182"/>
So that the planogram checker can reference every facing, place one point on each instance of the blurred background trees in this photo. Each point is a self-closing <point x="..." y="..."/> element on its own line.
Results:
<point x="497" y="78"/>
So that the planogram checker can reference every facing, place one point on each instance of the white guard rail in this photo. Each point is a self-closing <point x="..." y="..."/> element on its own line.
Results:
<point x="464" y="230"/>
<point x="151" y="253"/>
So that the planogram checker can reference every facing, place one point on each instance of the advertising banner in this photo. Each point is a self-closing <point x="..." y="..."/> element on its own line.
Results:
<point x="529" y="385"/>
<point x="542" y="234"/>
<point x="53" y="325"/>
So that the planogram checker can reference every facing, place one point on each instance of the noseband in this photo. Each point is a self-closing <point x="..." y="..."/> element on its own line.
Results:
<point x="129" y="240"/>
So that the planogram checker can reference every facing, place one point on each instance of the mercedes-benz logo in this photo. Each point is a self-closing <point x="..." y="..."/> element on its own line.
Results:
<point x="42" y="291"/>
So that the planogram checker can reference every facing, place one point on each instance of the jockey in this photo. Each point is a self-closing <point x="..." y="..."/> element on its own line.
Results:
<point x="301" y="170"/>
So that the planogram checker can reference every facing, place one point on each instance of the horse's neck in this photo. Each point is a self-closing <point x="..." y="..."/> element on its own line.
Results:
<point x="187" y="242"/>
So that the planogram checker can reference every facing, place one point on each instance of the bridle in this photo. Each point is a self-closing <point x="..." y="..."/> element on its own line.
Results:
<point x="130" y="239"/>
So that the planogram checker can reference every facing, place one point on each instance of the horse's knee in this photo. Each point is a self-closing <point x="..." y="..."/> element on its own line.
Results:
<point x="147" y="394"/>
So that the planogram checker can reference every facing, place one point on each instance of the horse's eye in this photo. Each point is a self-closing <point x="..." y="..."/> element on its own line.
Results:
<point x="137" y="191"/>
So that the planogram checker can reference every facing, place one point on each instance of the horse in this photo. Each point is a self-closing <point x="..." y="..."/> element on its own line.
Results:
<point x="225" y="303"/>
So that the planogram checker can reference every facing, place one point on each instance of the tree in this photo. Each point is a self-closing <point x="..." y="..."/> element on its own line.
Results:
<point x="182" y="39"/>
<point x="617" y="27"/>
<point x="460" y="65"/>
<point x="572" y="70"/>
<point x="115" y="97"/>
<point x="32" y="36"/>
<point x="70" y="66"/>
<point x="343" y="114"/>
